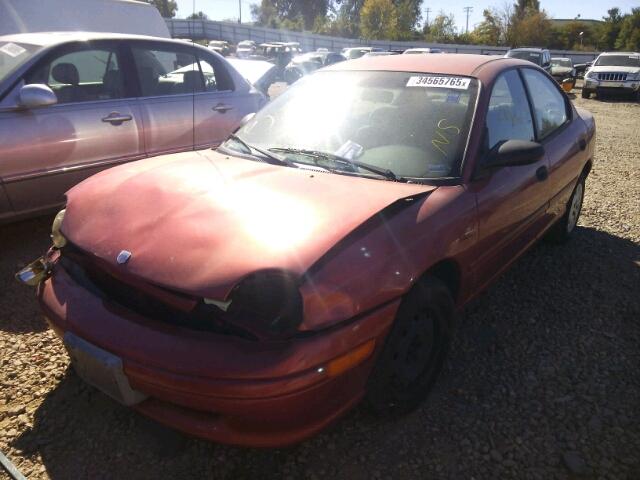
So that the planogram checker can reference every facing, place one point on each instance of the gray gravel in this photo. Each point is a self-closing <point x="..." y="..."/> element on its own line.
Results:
<point x="543" y="380"/>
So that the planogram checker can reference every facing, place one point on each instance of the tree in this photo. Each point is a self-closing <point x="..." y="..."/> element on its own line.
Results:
<point x="167" y="8"/>
<point x="198" y="16"/>
<point x="629" y="37"/>
<point x="490" y="31"/>
<point x="522" y="8"/>
<point x="610" y="29"/>
<point x="378" y="19"/>
<point x="442" y="29"/>
<point x="408" y="14"/>
<point x="300" y="14"/>
<point x="533" y="30"/>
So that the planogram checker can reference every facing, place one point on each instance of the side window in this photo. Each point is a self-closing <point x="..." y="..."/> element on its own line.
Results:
<point x="550" y="108"/>
<point x="216" y="77"/>
<point x="83" y="76"/>
<point x="509" y="116"/>
<point x="167" y="72"/>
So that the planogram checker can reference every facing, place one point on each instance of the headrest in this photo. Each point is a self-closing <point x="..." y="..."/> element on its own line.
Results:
<point x="66" y="73"/>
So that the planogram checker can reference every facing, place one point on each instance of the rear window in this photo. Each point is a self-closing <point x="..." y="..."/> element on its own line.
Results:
<point x="533" y="57"/>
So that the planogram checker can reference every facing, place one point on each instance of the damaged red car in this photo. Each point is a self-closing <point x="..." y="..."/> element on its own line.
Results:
<point x="253" y="294"/>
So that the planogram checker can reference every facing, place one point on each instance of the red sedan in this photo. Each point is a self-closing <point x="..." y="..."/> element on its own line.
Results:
<point x="253" y="294"/>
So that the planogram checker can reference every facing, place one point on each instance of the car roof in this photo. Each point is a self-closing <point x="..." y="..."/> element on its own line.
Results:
<point x="45" y="39"/>
<point x="606" y="54"/>
<point x="446" y="63"/>
<point x="528" y="49"/>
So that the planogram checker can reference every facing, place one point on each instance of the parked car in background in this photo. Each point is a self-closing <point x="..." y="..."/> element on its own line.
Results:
<point x="74" y="103"/>
<point x="220" y="46"/>
<point x="245" y="49"/>
<point x="581" y="68"/>
<point x="380" y="54"/>
<point x="309" y="62"/>
<point x="254" y="294"/>
<point x="539" y="56"/>
<point x="613" y="73"/>
<point x="563" y="71"/>
<point x="259" y="73"/>
<point x="357" y="52"/>
<point x="421" y="51"/>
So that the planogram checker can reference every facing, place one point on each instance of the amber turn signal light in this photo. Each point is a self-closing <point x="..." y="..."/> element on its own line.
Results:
<point x="349" y="360"/>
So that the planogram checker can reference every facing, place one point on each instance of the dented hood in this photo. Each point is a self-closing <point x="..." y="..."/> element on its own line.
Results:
<point x="198" y="222"/>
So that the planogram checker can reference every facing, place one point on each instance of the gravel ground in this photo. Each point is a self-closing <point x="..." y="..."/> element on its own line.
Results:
<point x="543" y="380"/>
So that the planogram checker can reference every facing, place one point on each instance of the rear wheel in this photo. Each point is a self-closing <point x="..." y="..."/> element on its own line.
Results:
<point x="562" y="230"/>
<point x="415" y="350"/>
<point x="586" y="93"/>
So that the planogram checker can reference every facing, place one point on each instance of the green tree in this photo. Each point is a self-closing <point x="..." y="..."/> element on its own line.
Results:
<point x="610" y="29"/>
<point x="289" y="12"/>
<point x="408" y="17"/>
<point x="198" y="16"/>
<point x="167" y="8"/>
<point x="442" y="29"/>
<point x="629" y="37"/>
<point x="523" y="8"/>
<point x="491" y="30"/>
<point x="378" y="19"/>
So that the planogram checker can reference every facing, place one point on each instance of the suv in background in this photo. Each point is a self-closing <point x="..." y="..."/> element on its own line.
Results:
<point x="613" y="72"/>
<point x="539" y="56"/>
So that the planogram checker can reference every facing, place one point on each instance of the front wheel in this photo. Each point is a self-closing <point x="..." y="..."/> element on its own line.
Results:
<point x="562" y="230"/>
<point x="415" y="350"/>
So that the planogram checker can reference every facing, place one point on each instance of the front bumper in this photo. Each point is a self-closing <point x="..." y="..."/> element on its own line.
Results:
<point x="627" y="86"/>
<point x="218" y="387"/>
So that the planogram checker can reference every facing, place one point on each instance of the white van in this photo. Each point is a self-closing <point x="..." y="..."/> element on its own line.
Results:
<point x="114" y="16"/>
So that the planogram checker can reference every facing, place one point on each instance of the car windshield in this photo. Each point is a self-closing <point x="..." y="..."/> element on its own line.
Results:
<point x="618" y="61"/>
<point x="524" y="55"/>
<point x="559" y="62"/>
<point x="415" y="125"/>
<point x="12" y="55"/>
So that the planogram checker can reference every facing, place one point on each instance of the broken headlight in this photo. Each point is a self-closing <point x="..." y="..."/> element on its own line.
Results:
<point x="267" y="304"/>
<point x="56" y="235"/>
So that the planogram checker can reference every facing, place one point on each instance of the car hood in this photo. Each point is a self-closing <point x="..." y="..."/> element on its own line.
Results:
<point x="615" y="69"/>
<point x="198" y="222"/>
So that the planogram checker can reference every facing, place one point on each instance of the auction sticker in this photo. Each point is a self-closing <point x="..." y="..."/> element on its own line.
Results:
<point x="460" y="83"/>
<point x="12" y="49"/>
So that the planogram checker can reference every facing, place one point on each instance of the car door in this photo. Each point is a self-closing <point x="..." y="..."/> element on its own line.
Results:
<point x="220" y="105"/>
<point x="94" y="124"/>
<point x="562" y="134"/>
<point x="168" y="77"/>
<point x="512" y="201"/>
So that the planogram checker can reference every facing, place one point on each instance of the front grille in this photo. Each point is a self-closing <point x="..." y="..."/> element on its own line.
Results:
<point x="612" y="77"/>
<point x="116" y="292"/>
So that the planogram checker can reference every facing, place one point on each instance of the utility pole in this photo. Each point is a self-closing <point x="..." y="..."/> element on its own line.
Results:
<point x="428" y="12"/>
<point x="468" y="10"/>
<point x="239" y="11"/>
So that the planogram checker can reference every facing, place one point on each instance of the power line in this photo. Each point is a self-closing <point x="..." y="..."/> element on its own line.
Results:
<point x="468" y="10"/>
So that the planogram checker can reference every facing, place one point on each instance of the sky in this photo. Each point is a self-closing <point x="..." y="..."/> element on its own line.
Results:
<point x="587" y="9"/>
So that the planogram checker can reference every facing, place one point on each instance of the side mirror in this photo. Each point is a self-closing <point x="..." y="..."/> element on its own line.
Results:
<point x="36" y="95"/>
<point x="512" y="153"/>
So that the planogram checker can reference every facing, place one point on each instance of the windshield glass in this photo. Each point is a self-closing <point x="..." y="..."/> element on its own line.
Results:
<point x="415" y="125"/>
<point x="524" y="55"/>
<point x="560" y="62"/>
<point x="618" y="61"/>
<point x="12" y="55"/>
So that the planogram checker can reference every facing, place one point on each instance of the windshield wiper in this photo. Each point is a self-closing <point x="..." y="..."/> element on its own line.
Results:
<point x="318" y="155"/>
<point x="274" y="158"/>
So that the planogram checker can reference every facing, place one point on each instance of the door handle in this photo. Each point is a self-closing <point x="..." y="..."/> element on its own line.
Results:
<point x="542" y="174"/>
<point x="582" y="143"/>
<point x="222" y="108"/>
<point x="115" y="118"/>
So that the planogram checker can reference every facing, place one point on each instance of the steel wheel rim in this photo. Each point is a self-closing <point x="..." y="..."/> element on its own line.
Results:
<point x="416" y="350"/>
<point x="575" y="207"/>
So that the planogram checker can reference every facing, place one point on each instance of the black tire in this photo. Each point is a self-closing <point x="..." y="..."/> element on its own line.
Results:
<point x="562" y="230"/>
<point x="414" y="351"/>
<point x="586" y="93"/>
